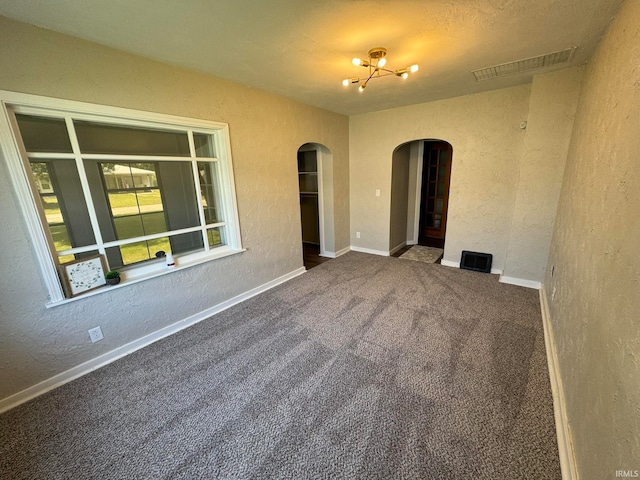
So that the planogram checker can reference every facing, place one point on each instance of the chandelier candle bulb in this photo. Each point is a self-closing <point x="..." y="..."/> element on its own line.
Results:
<point x="414" y="68"/>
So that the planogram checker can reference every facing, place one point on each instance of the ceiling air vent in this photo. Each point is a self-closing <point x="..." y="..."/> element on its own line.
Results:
<point x="526" y="65"/>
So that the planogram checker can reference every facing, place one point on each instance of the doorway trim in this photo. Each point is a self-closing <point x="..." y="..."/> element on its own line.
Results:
<point x="419" y="152"/>
<point x="416" y="167"/>
<point x="324" y="166"/>
<point x="429" y="146"/>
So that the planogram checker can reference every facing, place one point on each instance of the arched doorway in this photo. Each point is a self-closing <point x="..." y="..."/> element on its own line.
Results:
<point x="420" y="179"/>
<point x="315" y="180"/>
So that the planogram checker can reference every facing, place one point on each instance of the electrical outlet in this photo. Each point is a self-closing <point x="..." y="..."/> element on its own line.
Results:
<point x="553" y="293"/>
<point x="377" y="192"/>
<point x="95" y="334"/>
<point x="357" y="234"/>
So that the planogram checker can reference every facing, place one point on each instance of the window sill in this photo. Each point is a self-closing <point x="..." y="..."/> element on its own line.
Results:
<point x="223" y="252"/>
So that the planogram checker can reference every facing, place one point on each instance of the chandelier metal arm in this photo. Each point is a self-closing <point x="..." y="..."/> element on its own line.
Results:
<point x="375" y="63"/>
<point x="388" y="72"/>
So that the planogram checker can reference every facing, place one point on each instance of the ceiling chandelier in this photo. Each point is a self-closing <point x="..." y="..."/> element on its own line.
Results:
<point x="375" y="64"/>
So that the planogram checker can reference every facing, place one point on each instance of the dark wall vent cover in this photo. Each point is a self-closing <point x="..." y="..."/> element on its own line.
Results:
<point x="478" y="262"/>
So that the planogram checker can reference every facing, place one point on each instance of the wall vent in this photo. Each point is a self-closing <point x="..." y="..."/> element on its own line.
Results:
<point x="526" y="65"/>
<point x="479" y="262"/>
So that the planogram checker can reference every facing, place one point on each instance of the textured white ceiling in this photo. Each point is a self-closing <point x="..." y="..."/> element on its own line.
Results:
<point x="303" y="48"/>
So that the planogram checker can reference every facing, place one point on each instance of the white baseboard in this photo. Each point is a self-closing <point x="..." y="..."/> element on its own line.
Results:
<point x="106" y="358"/>
<point x="335" y="254"/>
<point x="520" y="282"/>
<point x="412" y="242"/>
<point x="395" y="249"/>
<point x="369" y="250"/>
<point x="563" y="432"/>
<point x="449" y="263"/>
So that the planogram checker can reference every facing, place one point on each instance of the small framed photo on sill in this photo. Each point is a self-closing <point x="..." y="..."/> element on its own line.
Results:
<point x="83" y="275"/>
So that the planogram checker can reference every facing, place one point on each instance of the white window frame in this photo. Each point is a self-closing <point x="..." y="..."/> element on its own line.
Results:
<point x="28" y="198"/>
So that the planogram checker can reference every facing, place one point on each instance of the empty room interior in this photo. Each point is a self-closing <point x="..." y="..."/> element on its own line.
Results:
<point x="252" y="171"/>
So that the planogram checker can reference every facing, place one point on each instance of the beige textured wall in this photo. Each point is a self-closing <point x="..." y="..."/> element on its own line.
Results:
<point x="484" y="130"/>
<point x="552" y="107"/>
<point x="328" y="218"/>
<point x="399" y="196"/>
<point x="596" y="310"/>
<point x="266" y="131"/>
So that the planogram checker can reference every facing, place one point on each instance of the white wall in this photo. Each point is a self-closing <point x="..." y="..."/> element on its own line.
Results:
<point x="484" y="131"/>
<point x="415" y="184"/>
<point x="552" y="108"/>
<point x="505" y="180"/>
<point x="399" y="196"/>
<point x="594" y="265"/>
<point x="266" y="131"/>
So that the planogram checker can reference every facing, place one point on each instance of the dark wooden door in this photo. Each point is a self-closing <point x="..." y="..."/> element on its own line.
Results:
<point x="436" y="171"/>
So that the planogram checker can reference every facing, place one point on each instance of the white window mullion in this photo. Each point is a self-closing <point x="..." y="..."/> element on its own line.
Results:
<point x="85" y="185"/>
<point x="119" y="243"/>
<point x="136" y="158"/>
<point x="196" y="182"/>
<point x="225" y="177"/>
<point x="13" y="152"/>
<point x="50" y="156"/>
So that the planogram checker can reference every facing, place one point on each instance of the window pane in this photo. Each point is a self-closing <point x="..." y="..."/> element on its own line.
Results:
<point x="62" y="200"/>
<point x="179" y="198"/>
<point x="186" y="242"/>
<point x="131" y="226"/>
<point x="156" y="248"/>
<point x="153" y="223"/>
<point x="204" y="145"/>
<point x="134" y="199"/>
<point x="60" y="237"/>
<point x="51" y="208"/>
<point x="104" y="139"/>
<point x="66" y="258"/>
<point x="216" y="236"/>
<point x="78" y="256"/>
<point x="128" y="227"/>
<point x="141" y="251"/>
<point x="209" y="190"/>
<point x="41" y="134"/>
<point x="123" y="176"/>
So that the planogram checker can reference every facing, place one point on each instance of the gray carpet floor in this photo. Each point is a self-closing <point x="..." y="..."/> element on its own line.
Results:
<point x="365" y="367"/>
